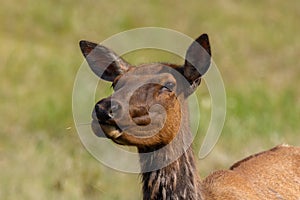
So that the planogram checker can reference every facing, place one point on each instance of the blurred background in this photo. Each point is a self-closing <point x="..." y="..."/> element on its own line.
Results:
<point x="255" y="44"/>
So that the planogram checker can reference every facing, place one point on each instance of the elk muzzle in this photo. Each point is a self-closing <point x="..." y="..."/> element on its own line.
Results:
<point x="104" y="115"/>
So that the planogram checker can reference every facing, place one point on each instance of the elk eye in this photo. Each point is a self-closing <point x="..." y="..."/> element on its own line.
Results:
<point x="168" y="86"/>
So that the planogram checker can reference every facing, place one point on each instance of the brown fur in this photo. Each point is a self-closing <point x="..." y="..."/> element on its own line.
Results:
<point x="273" y="174"/>
<point x="131" y="118"/>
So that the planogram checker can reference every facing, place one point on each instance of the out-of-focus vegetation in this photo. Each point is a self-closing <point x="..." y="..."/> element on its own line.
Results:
<point x="255" y="44"/>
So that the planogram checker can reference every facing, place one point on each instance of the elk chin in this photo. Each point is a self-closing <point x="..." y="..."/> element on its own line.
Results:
<point x="110" y="131"/>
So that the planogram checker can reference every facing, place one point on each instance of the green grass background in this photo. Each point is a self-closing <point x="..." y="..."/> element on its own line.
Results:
<point x="255" y="44"/>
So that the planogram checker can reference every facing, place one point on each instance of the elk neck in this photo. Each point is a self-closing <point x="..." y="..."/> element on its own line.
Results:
<point x="179" y="178"/>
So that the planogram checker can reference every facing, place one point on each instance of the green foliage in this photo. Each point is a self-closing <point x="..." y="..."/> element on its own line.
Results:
<point x="255" y="44"/>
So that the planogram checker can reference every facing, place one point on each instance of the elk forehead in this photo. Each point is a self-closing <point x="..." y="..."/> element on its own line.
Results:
<point x="153" y="73"/>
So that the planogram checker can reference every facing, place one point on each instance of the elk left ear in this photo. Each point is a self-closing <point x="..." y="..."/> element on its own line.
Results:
<point x="197" y="60"/>
<point x="103" y="62"/>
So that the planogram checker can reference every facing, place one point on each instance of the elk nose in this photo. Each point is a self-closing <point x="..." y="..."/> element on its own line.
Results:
<point x="107" y="109"/>
<point x="114" y="109"/>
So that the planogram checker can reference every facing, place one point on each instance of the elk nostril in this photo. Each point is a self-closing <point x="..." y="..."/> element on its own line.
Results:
<point x="101" y="113"/>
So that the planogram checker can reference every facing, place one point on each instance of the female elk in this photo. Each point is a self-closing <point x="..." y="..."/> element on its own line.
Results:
<point x="149" y="110"/>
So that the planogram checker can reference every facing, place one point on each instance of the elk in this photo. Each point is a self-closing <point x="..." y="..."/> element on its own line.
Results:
<point x="148" y="110"/>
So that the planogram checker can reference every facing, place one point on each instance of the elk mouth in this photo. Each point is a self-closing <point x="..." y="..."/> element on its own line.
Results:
<point x="106" y="129"/>
<point x="112" y="130"/>
<point x="140" y="128"/>
<point x="140" y="125"/>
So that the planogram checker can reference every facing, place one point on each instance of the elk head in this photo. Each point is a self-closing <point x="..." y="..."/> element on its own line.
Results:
<point x="148" y="104"/>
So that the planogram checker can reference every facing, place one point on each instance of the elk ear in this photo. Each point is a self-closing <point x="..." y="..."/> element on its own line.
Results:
<point x="197" y="60"/>
<point x="103" y="62"/>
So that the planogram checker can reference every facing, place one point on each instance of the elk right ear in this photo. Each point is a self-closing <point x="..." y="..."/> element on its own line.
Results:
<point x="197" y="61"/>
<point x="103" y="62"/>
